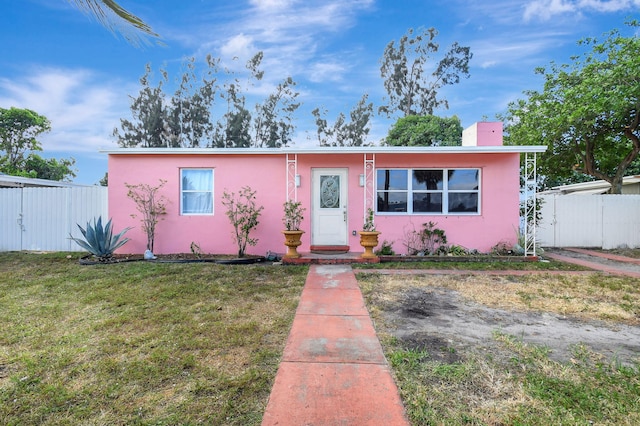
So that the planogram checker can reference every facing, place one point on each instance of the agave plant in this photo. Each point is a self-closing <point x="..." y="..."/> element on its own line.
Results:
<point x="100" y="241"/>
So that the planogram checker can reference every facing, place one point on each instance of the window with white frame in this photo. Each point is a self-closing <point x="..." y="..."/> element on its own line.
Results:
<point x="196" y="191"/>
<point x="428" y="191"/>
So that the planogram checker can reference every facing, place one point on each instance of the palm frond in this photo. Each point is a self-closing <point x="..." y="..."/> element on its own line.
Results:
<point x="117" y="20"/>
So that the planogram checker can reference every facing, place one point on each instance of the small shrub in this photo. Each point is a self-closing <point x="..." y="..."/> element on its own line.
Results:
<point x="427" y="241"/>
<point x="502" y="249"/>
<point x="369" y="225"/>
<point x="151" y="205"/>
<point x="385" y="249"/>
<point x="456" y="250"/>
<point x="243" y="213"/>
<point x="292" y="215"/>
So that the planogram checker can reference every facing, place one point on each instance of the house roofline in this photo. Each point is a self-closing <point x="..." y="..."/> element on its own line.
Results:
<point x="520" y="149"/>
<point x="591" y="185"/>
<point x="8" y="181"/>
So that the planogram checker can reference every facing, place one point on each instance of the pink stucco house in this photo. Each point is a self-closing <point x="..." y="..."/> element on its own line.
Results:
<point x="471" y="191"/>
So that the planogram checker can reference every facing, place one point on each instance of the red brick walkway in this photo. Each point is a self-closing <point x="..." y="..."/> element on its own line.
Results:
<point x="333" y="370"/>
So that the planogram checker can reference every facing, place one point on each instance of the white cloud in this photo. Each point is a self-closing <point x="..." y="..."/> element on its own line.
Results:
<point x="488" y="63"/>
<point x="271" y="4"/>
<point x="82" y="107"/>
<point x="546" y="9"/>
<point x="239" y="46"/>
<point x="500" y="51"/>
<point x="322" y="72"/>
<point x="289" y="32"/>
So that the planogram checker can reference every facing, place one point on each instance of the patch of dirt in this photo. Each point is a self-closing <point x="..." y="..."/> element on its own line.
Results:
<point x="446" y="325"/>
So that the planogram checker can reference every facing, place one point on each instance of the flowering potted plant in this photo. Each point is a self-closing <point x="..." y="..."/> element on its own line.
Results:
<point x="369" y="236"/>
<point x="292" y="233"/>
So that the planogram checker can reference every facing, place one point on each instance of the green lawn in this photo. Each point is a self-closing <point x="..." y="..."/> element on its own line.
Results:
<point x="140" y="343"/>
<point x="200" y="343"/>
<point x="484" y="264"/>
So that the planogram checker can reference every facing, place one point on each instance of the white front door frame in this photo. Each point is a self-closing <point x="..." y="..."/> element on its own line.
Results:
<point x="329" y="212"/>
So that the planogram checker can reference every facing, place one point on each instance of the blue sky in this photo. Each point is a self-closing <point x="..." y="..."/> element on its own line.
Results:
<point x="64" y="65"/>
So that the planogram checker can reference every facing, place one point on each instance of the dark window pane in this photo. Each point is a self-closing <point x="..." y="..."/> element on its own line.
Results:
<point x="427" y="179"/>
<point x="463" y="202"/>
<point x="391" y="179"/>
<point x="426" y="202"/>
<point x="463" y="180"/>
<point x="392" y="201"/>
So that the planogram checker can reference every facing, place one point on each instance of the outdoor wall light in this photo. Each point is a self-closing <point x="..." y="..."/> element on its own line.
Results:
<point x="297" y="180"/>
<point x="361" y="180"/>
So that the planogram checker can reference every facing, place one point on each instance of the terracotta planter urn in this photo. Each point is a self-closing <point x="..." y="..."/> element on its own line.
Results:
<point x="369" y="240"/>
<point x="292" y="241"/>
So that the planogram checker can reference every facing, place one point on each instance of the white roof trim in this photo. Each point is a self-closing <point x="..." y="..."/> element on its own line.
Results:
<point x="593" y="185"/>
<point x="8" y="181"/>
<point x="342" y="150"/>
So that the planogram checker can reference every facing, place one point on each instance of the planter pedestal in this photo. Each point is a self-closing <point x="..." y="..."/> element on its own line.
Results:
<point x="292" y="241"/>
<point x="369" y="240"/>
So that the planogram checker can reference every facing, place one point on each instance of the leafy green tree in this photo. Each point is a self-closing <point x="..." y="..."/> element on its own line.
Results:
<point x="115" y="18"/>
<point x="426" y="130"/>
<point x="343" y="133"/>
<point x="186" y="120"/>
<point x="273" y="123"/>
<point x="233" y="129"/>
<point x="190" y="114"/>
<point x="411" y="89"/>
<point x="49" y="168"/>
<point x="19" y="129"/>
<point x="149" y="127"/>
<point x="587" y="113"/>
<point x="105" y="180"/>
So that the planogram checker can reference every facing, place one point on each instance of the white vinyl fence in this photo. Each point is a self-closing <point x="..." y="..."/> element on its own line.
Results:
<point x="604" y="221"/>
<point x="42" y="218"/>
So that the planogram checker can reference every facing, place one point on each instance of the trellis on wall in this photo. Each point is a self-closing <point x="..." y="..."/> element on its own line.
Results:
<point x="368" y="181"/>
<point x="529" y="203"/>
<point x="292" y="176"/>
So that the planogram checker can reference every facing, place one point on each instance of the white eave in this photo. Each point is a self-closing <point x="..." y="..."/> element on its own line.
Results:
<point x="591" y="187"/>
<point x="8" y="181"/>
<point x="341" y="150"/>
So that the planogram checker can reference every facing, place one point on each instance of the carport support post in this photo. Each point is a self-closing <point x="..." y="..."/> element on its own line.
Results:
<point x="529" y="200"/>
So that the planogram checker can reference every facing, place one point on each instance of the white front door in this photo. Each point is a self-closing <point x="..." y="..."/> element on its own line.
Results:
<point x="329" y="218"/>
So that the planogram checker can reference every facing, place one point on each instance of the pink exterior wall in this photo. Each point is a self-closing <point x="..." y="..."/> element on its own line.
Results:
<point x="175" y="233"/>
<point x="499" y="204"/>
